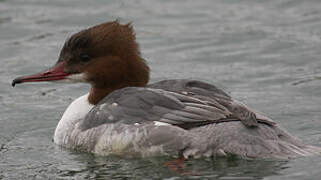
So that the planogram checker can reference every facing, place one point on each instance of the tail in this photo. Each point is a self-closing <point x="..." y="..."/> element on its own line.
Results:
<point x="263" y="141"/>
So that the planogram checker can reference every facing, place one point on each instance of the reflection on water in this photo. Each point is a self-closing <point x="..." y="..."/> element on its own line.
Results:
<point x="221" y="168"/>
<point x="266" y="53"/>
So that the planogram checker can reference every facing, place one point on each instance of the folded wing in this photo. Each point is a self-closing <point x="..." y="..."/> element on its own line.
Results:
<point x="183" y="103"/>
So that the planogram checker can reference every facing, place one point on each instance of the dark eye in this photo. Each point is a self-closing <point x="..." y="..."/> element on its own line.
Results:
<point x="84" y="57"/>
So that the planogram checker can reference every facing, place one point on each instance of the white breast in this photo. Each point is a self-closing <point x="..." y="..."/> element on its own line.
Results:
<point x="75" y="111"/>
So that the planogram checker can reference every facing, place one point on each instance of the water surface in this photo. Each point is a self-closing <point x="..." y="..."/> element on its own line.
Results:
<point x="264" y="53"/>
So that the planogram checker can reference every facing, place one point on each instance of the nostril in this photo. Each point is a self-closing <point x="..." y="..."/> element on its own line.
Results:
<point x="47" y="73"/>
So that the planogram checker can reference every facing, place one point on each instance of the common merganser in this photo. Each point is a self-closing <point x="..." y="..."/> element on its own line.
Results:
<point x="123" y="115"/>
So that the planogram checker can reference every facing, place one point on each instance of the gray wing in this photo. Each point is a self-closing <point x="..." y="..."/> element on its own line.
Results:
<point x="183" y="103"/>
<point x="213" y="95"/>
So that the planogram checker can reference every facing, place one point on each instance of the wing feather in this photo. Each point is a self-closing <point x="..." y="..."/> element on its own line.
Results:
<point x="197" y="105"/>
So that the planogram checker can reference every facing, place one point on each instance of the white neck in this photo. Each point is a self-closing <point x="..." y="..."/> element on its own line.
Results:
<point x="76" y="111"/>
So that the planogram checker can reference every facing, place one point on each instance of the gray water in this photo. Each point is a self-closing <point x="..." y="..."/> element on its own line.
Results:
<point x="264" y="53"/>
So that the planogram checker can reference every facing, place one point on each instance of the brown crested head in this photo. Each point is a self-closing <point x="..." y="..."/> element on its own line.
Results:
<point x="107" y="56"/>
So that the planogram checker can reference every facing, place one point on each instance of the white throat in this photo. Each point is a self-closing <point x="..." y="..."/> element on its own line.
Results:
<point x="76" y="110"/>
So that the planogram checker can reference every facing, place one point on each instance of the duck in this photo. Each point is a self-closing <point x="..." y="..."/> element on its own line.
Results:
<point x="124" y="115"/>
